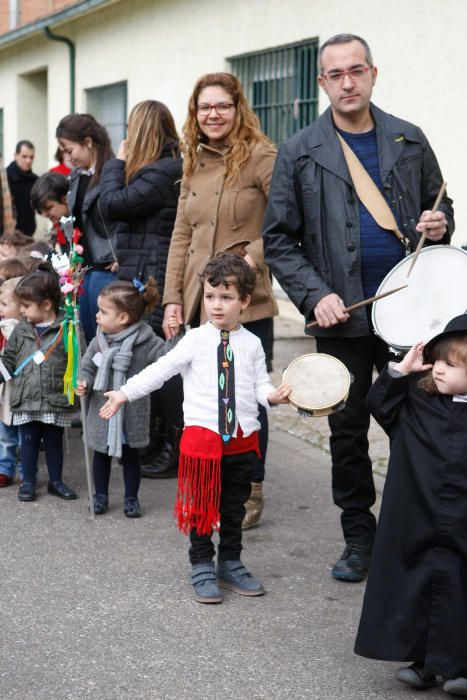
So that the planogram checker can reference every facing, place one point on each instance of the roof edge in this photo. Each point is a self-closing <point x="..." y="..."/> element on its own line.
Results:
<point x="69" y="13"/>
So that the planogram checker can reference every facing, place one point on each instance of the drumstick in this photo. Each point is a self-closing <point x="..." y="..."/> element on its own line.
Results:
<point x="352" y="307"/>
<point x="422" y="240"/>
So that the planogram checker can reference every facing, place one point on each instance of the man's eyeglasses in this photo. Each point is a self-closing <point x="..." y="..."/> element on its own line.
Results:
<point x="220" y="108"/>
<point x="353" y="73"/>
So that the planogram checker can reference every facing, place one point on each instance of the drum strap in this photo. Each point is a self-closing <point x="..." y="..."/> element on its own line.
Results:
<point x="369" y="194"/>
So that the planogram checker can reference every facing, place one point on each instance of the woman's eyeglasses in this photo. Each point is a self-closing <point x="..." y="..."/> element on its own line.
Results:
<point x="220" y="108"/>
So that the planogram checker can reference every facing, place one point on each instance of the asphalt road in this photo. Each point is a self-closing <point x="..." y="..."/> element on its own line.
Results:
<point x="102" y="609"/>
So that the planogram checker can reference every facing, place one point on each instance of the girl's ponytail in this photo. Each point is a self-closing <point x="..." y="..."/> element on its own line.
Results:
<point x="134" y="298"/>
<point x="40" y="285"/>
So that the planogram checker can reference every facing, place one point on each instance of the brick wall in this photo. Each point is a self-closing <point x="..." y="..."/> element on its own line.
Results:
<point x="29" y="11"/>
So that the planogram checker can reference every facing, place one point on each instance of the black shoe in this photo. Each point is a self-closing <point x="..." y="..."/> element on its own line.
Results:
<point x="100" y="503"/>
<point x="354" y="563"/>
<point x="60" y="489"/>
<point x="415" y="676"/>
<point x="165" y="466"/>
<point x="27" y="491"/>
<point x="131" y="507"/>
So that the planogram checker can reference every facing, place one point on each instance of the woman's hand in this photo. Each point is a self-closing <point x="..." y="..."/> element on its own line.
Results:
<point x="122" y="153"/>
<point x="115" y="401"/>
<point x="413" y="361"/>
<point x="81" y="388"/>
<point x="280" y="395"/>
<point x="173" y="319"/>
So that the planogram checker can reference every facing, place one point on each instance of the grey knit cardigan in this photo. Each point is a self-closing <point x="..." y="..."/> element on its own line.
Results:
<point x="148" y="348"/>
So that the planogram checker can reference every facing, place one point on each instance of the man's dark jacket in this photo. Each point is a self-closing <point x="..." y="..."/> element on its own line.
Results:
<point x="311" y="227"/>
<point x="143" y="212"/>
<point x="20" y="183"/>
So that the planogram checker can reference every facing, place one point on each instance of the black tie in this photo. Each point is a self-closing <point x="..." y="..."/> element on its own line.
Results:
<point x="226" y="374"/>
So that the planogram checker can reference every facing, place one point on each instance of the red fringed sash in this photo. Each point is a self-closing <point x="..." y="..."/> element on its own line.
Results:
<point x="199" y="481"/>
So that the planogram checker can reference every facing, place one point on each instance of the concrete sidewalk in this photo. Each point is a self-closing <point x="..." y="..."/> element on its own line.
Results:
<point x="102" y="610"/>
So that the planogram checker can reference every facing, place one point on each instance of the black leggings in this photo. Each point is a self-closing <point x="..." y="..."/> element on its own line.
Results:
<point x="131" y="471"/>
<point x="30" y="436"/>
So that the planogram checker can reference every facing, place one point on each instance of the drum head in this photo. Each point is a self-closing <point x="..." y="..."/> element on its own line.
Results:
<point x="320" y="383"/>
<point x="436" y="292"/>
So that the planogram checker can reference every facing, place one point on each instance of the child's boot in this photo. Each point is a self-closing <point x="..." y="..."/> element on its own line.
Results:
<point x="131" y="507"/>
<point x="234" y="576"/>
<point x="101" y="503"/>
<point x="254" y="506"/>
<point x="456" y="686"/>
<point x="203" y="580"/>
<point x="27" y="491"/>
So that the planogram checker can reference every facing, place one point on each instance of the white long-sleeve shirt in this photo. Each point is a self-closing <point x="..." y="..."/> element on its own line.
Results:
<point x="196" y="356"/>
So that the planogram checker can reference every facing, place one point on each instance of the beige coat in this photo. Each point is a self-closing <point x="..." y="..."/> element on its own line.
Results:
<point x="214" y="217"/>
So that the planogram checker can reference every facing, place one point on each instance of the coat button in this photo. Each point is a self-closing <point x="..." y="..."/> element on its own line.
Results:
<point x="349" y="224"/>
<point x="194" y="194"/>
<point x="351" y="200"/>
<point x="351" y="247"/>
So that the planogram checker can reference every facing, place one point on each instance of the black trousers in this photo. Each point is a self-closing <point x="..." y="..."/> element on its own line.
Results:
<point x="101" y="466"/>
<point x="31" y="435"/>
<point x="353" y="487"/>
<point x="236" y="471"/>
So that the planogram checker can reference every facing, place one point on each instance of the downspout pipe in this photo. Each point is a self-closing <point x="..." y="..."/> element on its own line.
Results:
<point x="72" y="55"/>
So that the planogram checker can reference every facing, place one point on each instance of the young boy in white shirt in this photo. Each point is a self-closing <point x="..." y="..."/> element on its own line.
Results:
<point x="224" y="379"/>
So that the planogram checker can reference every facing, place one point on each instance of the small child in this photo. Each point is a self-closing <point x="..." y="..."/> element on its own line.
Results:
<point x="123" y="346"/>
<point x="9" y="434"/>
<point x="36" y="353"/>
<point x="224" y="379"/>
<point x="415" y="605"/>
<point x="12" y="243"/>
<point x="48" y="198"/>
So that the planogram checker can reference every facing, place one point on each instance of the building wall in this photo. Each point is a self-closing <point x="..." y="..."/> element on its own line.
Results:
<point x="161" y="46"/>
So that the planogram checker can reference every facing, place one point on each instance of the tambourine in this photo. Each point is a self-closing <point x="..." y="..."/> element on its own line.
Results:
<point x="320" y="384"/>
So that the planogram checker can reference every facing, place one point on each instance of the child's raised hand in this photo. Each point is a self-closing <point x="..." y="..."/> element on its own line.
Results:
<point x="413" y="361"/>
<point x="81" y="388"/>
<point x="115" y="401"/>
<point x="280" y="395"/>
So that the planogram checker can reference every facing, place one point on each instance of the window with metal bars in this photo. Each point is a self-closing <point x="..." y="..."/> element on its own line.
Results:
<point x="108" y="104"/>
<point x="280" y="84"/>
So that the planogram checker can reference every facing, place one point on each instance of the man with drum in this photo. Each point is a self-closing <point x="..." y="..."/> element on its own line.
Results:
<point x="327" y="251"/>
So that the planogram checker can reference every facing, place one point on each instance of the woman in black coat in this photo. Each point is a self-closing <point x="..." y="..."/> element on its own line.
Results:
<point x="87" y="145"/>
<point x="139" y="194"/>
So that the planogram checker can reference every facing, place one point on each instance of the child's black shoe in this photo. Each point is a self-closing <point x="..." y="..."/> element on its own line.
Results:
<point x="101" y="503"/>
<point x="27" y="491"/>
<point x="131" y="507"/>
<point x="60" y="489"/>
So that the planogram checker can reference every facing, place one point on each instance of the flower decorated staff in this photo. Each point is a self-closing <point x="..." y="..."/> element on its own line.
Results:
<point x="71" y="271"/>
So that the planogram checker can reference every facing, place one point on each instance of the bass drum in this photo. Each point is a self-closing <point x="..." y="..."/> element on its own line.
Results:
<point x="436" y="292"/>
<point x="320" y="384"/>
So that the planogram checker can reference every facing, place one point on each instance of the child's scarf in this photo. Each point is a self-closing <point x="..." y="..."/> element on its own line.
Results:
<point x="116" y="356"/>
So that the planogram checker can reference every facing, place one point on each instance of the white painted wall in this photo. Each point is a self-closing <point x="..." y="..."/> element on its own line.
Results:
<point x="161" y="46"/>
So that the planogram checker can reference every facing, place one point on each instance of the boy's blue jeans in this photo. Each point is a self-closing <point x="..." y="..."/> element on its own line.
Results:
<point x="9" y="444"/>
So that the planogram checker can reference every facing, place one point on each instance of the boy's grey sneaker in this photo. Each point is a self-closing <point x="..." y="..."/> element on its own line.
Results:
<point x="456" y="686"/>
<point x="203" y="580"/>
<point x="234" y="576"/>
<point x="415" y="676"/>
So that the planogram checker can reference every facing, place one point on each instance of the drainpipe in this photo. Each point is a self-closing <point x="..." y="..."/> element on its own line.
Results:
<point x="71" y="51"/>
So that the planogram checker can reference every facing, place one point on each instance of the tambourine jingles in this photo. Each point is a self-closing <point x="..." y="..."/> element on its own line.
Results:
<point x="320" y="384"/>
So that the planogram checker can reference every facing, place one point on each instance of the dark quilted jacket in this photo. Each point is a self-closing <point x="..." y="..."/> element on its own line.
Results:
<point x="144" y="212"/>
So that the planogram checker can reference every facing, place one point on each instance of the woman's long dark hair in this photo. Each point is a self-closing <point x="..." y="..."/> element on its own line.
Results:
<point x="78" y="127"/>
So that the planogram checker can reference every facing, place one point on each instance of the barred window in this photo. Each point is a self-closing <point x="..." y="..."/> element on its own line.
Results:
<point x="280" y="84"/>
<point x="108" y="104"/>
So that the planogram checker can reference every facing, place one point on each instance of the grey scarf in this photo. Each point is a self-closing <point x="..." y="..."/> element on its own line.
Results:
<point x="116" y="356"/>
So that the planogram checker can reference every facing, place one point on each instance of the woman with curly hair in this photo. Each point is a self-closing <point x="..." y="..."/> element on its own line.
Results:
<point x="227" y="170"/>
